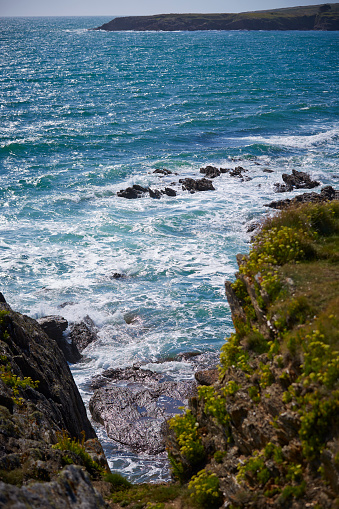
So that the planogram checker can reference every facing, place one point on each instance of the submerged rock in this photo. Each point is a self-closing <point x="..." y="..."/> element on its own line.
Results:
<point x="133" y="405"/>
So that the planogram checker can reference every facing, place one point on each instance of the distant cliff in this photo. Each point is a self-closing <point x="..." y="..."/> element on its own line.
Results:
<point x="313" y="17"/>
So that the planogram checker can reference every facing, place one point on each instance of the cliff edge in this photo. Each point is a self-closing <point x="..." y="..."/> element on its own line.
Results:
<point x="49" y="454"/>
<point x="266" y="434"/>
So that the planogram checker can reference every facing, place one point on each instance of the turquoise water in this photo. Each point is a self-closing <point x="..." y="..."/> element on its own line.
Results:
<point x="84" y="114"/>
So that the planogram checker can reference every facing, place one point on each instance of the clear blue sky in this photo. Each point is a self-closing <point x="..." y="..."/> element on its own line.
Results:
<point x="136" y="7"/>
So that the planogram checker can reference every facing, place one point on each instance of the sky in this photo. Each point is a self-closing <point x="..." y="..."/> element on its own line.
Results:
<point x="111" y="8"/>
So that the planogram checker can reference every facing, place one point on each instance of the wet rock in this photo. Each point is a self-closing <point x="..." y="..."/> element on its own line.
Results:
<point x="55" y="327"/>
<point x="154" y="193"/>
<point x="169" y="191"/>
<point x="163" y="171"/>
<point x="267" y="170"/>
<point x="210" y="171"/>
<point x="83" y="333"/>
<point x="192" y="185"/>
<point x="298" y="180"/>
<point x="133" y="405"/>
<point x="327" y="194"/>
<point x="133" y="192"/>
<point x="237" y="172"/>
<point x="118" y="275"/>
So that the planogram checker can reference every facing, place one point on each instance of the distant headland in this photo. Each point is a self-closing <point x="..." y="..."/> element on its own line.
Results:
<point x="312" y="17"/>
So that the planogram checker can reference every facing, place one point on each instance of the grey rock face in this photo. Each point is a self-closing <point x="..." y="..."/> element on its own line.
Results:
<point x="72" y="490"/>
<point x="133" y="405"/>
<point x="83" y="333"/>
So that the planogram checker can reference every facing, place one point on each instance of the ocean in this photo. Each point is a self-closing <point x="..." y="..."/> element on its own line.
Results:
<point x="84" y="114"/>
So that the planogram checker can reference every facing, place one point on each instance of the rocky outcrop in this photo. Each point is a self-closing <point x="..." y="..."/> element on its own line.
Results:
<point x="298" y="180"/>
<point x="136" y="191"/>
<point x="313" y="17"/>
<point x="72" y="338"/>
<point x="133" y="405"/>
<point x="193" y="185"/>
<point x="264" y="432"/>
<point x="40" y="407"/>
<point x="72" y="489"/>
<point x="326" y="194"/>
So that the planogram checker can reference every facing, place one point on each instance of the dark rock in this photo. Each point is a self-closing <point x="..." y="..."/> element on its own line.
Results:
<point x="251" y="227"/>
<point x="118" y="275"/>
<point x="55" y="327"/>
<point x="163" y="171"/>
<point x="326" y="194"/>
<point x="266" y="170"/>
<point x="237" y="172"/>
<point x="133" y="405"/>
<point x="170" y="192"/>
<point x="133" y="192"/>
<point x="210" y="172"/>
<point x="154" y="194"/>
<point x="2" y="298"/>
<point x="298" y="180"/>
<point x="192" y="185"/>
<point x="225" y="170"/>
<point x="83" y="333"/>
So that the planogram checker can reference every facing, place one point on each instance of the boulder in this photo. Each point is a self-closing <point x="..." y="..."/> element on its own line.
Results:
<point x="298" y="180"/>
<point x="169" y="191"/>
<point x="83" y="333"/>
<point x="163" y="171"/>
<point x="133" y="192"/>
<point x="154" y="193"/>
<point x="210" y="171"/>
<point x="192" y="185"/>
<point x="55" y="327"/>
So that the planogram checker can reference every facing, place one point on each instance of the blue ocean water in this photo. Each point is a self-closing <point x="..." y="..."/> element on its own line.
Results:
<point x="86" y="113"/>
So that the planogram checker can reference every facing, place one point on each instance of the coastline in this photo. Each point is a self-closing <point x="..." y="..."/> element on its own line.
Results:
<point x="317" y="17"/>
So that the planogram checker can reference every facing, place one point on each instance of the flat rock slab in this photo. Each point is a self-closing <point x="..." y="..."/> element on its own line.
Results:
<point x="133" y="405"/>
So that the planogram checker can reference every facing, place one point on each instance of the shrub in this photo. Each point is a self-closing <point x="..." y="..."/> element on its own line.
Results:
<point x="215" y="404"/>
<point x="65" y="443"/>
<point x="185" y="428"/>
<point x="13" y="381"/>
<point x="204" y="489"/>
<point x="117" y="481"/>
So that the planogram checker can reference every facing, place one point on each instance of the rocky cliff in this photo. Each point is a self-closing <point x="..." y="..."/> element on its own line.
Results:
<point x="49" y="454"/>
<point x="266" y="434"/>
<point x="314" y="17"/>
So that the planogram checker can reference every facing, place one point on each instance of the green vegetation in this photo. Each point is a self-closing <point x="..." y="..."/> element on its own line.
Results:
<point x="204" y="489"/>
<point x="13" y="381"/>
<point x="137" y="496"/>
<point x="77" y="447"/>
<point x="288" y="338"/>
